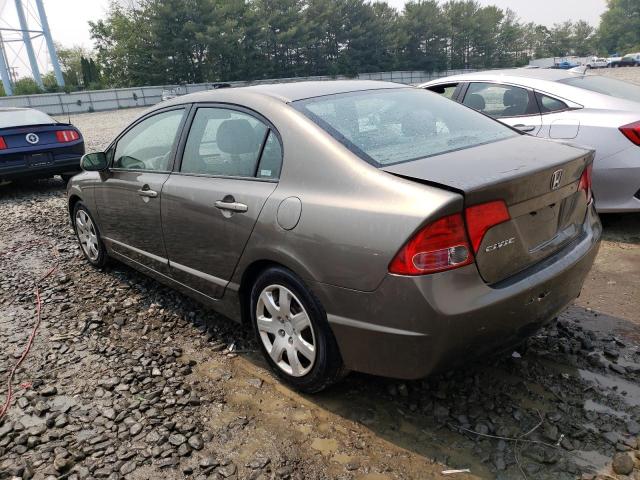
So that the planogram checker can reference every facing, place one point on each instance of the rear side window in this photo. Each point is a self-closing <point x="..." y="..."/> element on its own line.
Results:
<point x="230" y="143"/>
<point x="446" y="90"/>
<point x="499" y="101"/>
<point x="549" y="104"/>
<point x="386" y="127"/>
<point x="148" y="145"/>
<point x="271" y="160"/>
<point x="605" y="85"/>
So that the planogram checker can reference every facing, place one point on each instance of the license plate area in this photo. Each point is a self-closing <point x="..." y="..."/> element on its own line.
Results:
<point x="37" y="160"/>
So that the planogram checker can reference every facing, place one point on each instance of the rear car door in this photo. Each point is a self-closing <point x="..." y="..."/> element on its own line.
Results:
<point x="557" y="121"/>
<point x="230" y="165"/>
<point x="515" y="106"/>
<point x="128" y="198"/>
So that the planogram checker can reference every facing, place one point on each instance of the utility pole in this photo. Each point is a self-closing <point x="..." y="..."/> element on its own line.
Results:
<point x="26" y="37"/>
<point x="44" y="23"/>
<point x="4" y="69"/>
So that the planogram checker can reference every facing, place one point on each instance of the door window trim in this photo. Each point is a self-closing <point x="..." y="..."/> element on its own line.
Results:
<point x="177" y="164"/>
<point x="533" y="103"/>
<point x="172" y="155"/>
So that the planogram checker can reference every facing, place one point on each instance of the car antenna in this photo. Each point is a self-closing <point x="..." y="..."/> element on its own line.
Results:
<point x="68" y="114"/>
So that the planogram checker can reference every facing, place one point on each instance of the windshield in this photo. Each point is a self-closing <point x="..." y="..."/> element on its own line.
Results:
<point x="606" y="86"/>
<point x="19" y="118"/>
<point x="386" y="127"/>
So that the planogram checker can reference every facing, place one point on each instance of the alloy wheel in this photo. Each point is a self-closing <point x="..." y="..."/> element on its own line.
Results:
<point x="285" y="330"/>
<point x="87" y="235"/>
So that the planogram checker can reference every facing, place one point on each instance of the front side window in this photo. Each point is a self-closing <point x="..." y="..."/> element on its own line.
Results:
<point x="549" y="104"/>
<point x="229" y="143"/>
<point x="499" y="101"/>
<point x="148" y="145"/>
<point x="386" y="127"/>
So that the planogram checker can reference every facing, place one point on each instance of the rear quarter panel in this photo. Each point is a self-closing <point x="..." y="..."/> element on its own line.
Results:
<point x="354" y="217"/>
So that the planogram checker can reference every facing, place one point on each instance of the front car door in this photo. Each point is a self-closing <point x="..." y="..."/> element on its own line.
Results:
<point x="128" y="197"/>
<point x="230" y="165"/>
<point x="513" y="105"/>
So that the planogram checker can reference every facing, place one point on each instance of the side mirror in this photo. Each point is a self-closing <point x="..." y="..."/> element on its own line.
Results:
<point x="94" y="162"/>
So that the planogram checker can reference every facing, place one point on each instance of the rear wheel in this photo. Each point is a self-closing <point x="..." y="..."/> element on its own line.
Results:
<point x="89" y="236"/>
<point x="293" y="333"/>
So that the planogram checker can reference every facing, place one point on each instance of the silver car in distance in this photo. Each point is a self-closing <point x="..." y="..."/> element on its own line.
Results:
<point x="352" y="225"/>
<point x="584" y="109"/>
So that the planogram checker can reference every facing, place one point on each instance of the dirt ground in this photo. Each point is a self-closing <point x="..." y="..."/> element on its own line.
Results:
<point x="129" y="379"/>
<point x="628" y="74"/>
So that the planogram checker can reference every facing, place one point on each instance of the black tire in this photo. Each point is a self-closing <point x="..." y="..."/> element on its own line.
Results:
<point x="101" y="259"/>
<point x="327" y="367"/>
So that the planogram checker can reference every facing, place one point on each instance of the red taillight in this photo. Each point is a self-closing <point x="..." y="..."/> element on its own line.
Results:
<point x="64" y="136"/>
<point x="441" y="245"/>
<point x="585" y="182"/>
<point x="481" y="218"/>
<point x="632" y="132"/>
<point x="3" y="144"/>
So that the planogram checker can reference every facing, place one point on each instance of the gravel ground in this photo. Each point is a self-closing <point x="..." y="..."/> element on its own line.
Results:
<point x="129" y="379"/>
<point x="628" y="74"/>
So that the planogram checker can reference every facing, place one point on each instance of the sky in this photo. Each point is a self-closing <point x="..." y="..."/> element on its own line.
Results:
<point x="68" y="18"/>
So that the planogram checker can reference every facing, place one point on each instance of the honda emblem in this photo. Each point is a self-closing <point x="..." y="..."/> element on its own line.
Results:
<point x="556" y="179"/>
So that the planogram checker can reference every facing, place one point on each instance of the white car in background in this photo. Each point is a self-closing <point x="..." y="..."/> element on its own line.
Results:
<point x="592" y="110"/>
<point x="596" y="62"/>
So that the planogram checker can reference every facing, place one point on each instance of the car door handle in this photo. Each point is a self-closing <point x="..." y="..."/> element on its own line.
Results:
<point x="147" y="193"/>
<point x="231" y="206"/>
<point x="525" y="128"/>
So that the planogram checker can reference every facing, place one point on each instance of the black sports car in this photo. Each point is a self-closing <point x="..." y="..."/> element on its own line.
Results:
<point x="34" y="145"/>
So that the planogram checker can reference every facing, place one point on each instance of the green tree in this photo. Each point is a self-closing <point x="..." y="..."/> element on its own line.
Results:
<point x="124" y="46"/>
<point x="559" y="42"/>
<point x="619" y="30"/>
<point x="71" y="63"/>
<point x="26" y="86"/>
<point x="583" y="38"/>
<point x="422" y="36"/>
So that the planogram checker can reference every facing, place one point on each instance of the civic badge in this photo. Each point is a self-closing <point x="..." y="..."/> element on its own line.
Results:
<point x="32" y="138"/>
<point x="556" y="179"/>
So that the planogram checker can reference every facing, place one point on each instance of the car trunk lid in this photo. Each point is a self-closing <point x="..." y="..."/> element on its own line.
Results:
<point x="537" y="180"/>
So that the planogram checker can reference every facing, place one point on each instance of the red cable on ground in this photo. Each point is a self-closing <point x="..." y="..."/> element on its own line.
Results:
<point x="7" y="403"/>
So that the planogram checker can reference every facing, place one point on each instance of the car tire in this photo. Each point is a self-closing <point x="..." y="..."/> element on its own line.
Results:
<point x="294" y="337"/>
<point x="88" y="236"/>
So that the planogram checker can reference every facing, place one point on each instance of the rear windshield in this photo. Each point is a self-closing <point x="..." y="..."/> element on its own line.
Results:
<point x="19" y="118"/>
<point x="386" y="127"/>
<point x="606" y="86"/>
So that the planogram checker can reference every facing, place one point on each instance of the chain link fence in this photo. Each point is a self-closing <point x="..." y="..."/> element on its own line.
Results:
<point x="114" y="99"/>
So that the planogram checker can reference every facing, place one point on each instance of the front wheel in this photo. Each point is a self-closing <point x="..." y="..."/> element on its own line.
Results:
<point x="293" y="333"/>
<point x="89" y="236"/>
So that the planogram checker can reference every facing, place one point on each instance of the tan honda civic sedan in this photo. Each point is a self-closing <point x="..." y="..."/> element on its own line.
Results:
<point x="354" y="225"/>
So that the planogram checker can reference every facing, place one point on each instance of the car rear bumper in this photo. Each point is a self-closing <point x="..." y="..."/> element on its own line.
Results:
<point x="616" y="182"/>
<point x="412" y="326"/>
<point x="53" y="164"/>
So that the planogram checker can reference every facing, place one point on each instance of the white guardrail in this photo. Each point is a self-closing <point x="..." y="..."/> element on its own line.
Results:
<point x="114" y="99"/>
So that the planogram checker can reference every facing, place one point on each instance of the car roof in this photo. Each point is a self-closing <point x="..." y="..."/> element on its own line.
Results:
<point x="13" y="109"/>
<point x="547" y="74"/>
<point x="285" y="92"/>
